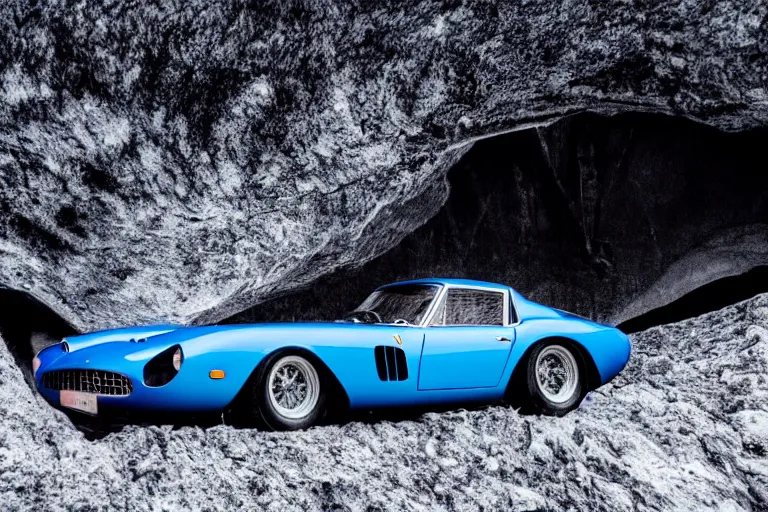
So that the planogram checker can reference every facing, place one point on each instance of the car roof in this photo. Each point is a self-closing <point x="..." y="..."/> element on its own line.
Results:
<point x="450" y="281"/>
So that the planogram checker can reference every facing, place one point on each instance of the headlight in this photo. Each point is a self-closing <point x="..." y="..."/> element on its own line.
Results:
<point x="35" y="366"/>
<point x="161" y="369"/>
<point x="177" y="358"/>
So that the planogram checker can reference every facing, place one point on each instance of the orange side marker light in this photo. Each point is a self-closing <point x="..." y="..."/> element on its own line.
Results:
<point x="217" y="374"/>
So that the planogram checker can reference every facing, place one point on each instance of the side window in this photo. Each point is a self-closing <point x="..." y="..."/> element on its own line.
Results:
<point x="463" y="306"/>
<point x="513" y="318"/>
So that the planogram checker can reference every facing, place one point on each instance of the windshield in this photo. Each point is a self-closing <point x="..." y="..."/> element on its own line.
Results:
<point x="395" y="304"/>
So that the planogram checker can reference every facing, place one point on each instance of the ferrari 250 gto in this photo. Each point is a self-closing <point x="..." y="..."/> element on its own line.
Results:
<point x="420" y="342"/>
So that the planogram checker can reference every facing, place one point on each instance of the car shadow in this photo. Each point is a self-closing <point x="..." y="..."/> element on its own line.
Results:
<point x="96" y="428"/>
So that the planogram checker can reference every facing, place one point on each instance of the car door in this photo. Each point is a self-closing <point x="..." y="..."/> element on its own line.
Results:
<point x="468" y="340"/>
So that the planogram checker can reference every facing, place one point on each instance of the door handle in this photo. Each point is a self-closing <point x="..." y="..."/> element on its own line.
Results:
<point x="502" y="338"/>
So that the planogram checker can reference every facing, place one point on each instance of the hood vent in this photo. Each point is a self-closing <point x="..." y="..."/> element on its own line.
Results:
<point x="390" y="363"/>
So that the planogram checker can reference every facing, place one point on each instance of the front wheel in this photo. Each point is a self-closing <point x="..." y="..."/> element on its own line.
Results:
<point x="291" y="393"/>
<point x="554" y="379"/>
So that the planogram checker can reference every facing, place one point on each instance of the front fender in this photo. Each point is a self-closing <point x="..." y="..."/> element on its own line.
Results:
<point x="83" y="341"/>
<point x="191" y="390"/>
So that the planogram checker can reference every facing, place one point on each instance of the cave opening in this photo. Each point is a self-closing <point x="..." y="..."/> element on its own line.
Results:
<point x="705" y="299"/>
<point x="27" y="326"/>
<point x="572" y="215"/>
<point x="583" y="215"/>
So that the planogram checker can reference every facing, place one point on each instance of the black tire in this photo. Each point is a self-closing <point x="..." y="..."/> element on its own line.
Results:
<point x="540" y="397"/>
<point x="290" y="415"/>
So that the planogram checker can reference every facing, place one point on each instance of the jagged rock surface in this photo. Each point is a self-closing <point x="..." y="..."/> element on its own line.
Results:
<point x="186" y="161"/>
<point x="684" y="427"/>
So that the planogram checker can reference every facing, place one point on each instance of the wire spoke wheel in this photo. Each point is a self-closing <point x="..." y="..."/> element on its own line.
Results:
<point x="293" y="387"/>
<point x="557" y="374"/>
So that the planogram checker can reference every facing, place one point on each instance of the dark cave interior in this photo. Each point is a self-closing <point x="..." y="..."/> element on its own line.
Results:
<point x="27" y="326"/>
<point x="577" y="215"/>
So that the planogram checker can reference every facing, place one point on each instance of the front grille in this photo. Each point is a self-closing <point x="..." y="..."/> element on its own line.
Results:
<point x="88" y="381"/>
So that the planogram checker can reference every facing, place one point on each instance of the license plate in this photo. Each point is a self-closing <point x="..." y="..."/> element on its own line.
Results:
<point x="84" y="402"/>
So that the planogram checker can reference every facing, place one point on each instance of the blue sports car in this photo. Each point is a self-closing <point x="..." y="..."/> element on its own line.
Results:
<point x="420" y="342"/>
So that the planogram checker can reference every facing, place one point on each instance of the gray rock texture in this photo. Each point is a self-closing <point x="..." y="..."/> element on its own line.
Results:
<point x="183" y="161"/>
<point x="684" y="427"/>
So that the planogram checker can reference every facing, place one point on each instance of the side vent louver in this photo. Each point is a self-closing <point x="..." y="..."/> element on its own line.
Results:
<point x="390" y="363"/>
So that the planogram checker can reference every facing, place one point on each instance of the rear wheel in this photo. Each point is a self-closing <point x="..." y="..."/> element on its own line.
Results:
<point x="291" y="393"/>
<point x="555" y="379"/>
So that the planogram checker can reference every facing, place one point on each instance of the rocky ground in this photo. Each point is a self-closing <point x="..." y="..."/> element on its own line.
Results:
<point x="684" y="427"/>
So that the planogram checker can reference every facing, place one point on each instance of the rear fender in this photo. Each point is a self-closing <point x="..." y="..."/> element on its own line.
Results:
<point x="606" y="348"/>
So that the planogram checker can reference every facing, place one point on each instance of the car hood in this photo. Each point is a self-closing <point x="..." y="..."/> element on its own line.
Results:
<point x="180" y="334"/>
<point x="128" y="334"/>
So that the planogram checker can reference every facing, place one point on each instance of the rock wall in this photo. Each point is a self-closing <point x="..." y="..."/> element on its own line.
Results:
<point x="684" y="427"/>
<point x="184" y="161"/>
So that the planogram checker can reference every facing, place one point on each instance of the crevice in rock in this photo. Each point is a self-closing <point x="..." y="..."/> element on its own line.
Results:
<point x="710" y="297"/>
<point x="27" y="326"/>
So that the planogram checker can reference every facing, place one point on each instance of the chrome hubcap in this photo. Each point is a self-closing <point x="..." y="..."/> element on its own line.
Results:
<point x="294" y="387"/>
<point x="557" y="373"/>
